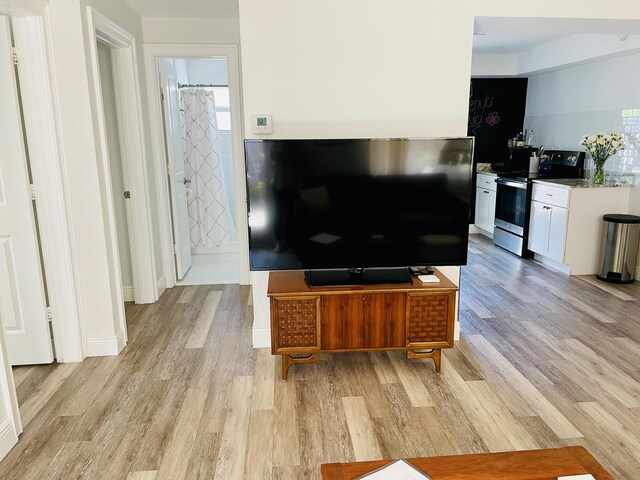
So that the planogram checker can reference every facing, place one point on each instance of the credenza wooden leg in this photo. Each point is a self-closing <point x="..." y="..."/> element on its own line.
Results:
<point x="434" y="354"/>
<point x="288" y="360"/>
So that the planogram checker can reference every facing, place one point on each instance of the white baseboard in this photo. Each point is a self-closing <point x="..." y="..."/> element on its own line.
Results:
<point x="161" y="285"/>
<point x="127" y="294"/>
<point x="637" y="276"/>
<point x="553" y="265"/>
<point x="106" y="346"/>
<point x="8" y="437"/>
<point x="261" y="338"/>
<point x="456" y="330"/>
<point x="473" y="229"/>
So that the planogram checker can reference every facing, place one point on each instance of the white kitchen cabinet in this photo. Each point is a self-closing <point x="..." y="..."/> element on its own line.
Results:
<point x="566" y="223"/>
<point x="547" y="230"/>
<point x="538" y="228"/>
<point x="486" y="203"/>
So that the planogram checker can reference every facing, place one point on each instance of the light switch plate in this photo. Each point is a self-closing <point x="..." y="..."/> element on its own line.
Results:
<point x="261" y="124"/>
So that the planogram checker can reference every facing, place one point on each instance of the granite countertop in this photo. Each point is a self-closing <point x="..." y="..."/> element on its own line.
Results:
<point x="489" y="168"/>
<point x="584" y="183"/>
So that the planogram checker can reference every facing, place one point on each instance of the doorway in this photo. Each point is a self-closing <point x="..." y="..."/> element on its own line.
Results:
<point x="200" y="148"/>
<point x="119" y="188"/>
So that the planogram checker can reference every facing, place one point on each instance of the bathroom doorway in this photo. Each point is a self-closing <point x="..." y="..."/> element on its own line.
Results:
<point x="204" y="212"/>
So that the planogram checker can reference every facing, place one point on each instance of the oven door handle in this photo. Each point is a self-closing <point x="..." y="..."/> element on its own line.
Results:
<point x="508" y="183"/>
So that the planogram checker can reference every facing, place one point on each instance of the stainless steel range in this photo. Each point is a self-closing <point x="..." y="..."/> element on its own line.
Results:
<point x="513" y="200"/>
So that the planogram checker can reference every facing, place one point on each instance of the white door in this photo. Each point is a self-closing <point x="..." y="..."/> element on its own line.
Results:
<point x="175" y="159"/>
<point x="22" y="298"/>
<point x="557" y="233"/>
<point x="9" y="413"/>
<point x="539" y="228"/>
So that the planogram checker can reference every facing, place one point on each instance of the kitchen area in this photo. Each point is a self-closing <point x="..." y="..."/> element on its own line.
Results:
<point x="534" y="109"/>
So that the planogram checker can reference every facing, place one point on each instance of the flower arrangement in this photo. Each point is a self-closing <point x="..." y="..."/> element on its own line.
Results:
<point x="601" y="146"/>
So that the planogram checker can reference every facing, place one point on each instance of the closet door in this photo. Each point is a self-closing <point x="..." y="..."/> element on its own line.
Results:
<point x="23" y="305"/>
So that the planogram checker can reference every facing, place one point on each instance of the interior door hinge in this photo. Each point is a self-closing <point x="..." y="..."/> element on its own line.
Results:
<point x="169" y="170"/>
<point x="32" y="190"/>
<point x="14" y="51"/>
<point x="162" y="96"/>
<point x="175" y="248"/>
<point x="49" y="314"/>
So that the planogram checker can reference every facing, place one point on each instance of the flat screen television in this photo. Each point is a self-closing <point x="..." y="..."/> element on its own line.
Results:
<point x="358" y="204"/>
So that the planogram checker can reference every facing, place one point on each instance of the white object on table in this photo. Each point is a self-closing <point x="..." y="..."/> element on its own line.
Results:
<point x="398" y="470"/>
<point x="428" y="279"/>
<point x="586" y="476"/>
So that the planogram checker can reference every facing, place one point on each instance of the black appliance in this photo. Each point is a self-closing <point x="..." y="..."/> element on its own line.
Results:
<point x="513" y="197"/>
<point x="358" y="203"/>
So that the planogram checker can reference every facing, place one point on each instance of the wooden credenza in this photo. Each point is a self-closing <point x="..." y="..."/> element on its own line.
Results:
<point x="418" y="318"/>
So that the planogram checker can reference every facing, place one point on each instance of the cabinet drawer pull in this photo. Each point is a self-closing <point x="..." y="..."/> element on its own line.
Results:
<point x="549" y="194"/>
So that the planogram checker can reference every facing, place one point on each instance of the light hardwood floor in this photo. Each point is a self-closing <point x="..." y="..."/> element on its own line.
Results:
<point x="544" y="361"/>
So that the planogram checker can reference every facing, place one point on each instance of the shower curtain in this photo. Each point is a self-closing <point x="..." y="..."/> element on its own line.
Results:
<point x="210" y="221"/>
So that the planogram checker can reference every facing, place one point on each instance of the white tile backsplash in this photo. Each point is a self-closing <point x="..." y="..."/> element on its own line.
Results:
<point x="564" y="130"/>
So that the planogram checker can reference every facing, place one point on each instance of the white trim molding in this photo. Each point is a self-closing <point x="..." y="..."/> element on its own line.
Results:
<point x="127" y="294"/>
<point x="106" y="346"/>
<point x="8" y="437"/>
<point x="152" y="53"/>
<point x="52" y="203"/>
<point x="261" y="338"/>
<point x="23" y="7"/>
<point x="161" y="285"/>
<point x="133" y="154"/>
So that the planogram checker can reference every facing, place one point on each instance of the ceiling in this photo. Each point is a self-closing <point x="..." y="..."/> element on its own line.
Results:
<point x="516" y="35"/>
<point x="185" y="8"/>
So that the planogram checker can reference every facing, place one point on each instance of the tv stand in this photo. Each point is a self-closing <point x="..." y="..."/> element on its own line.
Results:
<point x="305" y="321"/>
<point x="357" y="276"/>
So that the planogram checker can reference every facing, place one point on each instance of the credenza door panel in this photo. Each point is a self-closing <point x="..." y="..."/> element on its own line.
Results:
<point x="362" y="321"/>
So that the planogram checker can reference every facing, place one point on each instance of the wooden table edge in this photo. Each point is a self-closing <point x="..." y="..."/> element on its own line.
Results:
<point x="334" y="471"/>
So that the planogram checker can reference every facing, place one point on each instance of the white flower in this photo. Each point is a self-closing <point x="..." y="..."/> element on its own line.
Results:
<point x="602" y="145"/>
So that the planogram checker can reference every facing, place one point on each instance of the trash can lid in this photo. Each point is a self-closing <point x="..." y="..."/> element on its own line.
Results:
<point x="621" y="218"/>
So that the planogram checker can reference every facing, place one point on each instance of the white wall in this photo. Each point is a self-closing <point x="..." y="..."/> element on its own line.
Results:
<point x="575" y="49"/>
<point x="120" y="13"/>
<point x="490" y="65"/>
<point x="79" y="158"/>
<point x="353" y="69"/>
<point x="600" y="96"/>
<point x="71" y="72"/>
<point x="115" y="167"/>
<point x="191" y="30"/>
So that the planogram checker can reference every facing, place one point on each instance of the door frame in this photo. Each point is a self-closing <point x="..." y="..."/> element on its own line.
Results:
<point x="152" y="52"/>
<point x="133" y="156"/>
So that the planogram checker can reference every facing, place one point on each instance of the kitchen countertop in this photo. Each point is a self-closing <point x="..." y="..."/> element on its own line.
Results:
<point x="582" y="183"/>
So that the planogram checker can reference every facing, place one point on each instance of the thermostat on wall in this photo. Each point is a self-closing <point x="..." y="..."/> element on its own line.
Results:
<point x="261" y="124"/>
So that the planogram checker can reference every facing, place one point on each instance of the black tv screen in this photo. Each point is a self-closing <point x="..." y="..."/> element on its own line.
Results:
<point x="326" y="204"/>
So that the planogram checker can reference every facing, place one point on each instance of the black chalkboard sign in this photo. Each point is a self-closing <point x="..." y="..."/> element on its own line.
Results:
<point x="496" y="113"/>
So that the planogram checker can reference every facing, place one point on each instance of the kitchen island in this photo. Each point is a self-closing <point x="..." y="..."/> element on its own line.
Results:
<point x="566" y="221"/>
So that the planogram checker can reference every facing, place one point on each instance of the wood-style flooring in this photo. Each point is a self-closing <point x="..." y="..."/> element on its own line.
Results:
<point x="544" y="361"/>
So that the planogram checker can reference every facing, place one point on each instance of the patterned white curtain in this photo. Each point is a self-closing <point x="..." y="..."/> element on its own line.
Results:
<point x="209" y="214"/>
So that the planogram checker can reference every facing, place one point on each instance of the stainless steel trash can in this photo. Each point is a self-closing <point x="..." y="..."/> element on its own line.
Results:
<point x="619" y="248"/>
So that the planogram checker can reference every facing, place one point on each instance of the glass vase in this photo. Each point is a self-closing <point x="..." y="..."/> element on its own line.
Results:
<point x="598" y="173"/>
